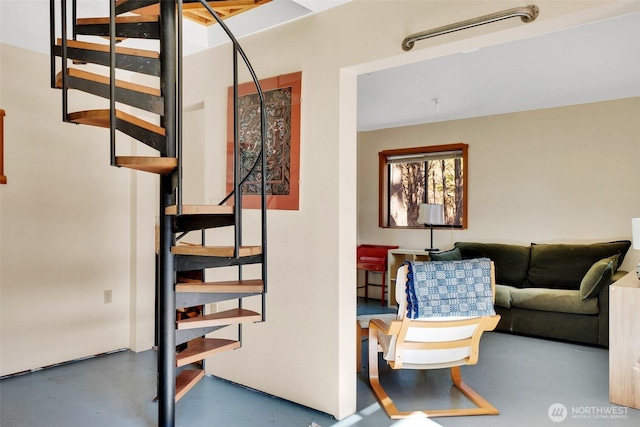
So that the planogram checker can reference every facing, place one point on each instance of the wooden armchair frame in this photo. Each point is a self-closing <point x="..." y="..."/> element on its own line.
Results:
<point x="399" y="329"/>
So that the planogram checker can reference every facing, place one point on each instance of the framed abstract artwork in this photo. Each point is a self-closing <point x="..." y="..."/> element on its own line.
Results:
<point x="282" y="105"/>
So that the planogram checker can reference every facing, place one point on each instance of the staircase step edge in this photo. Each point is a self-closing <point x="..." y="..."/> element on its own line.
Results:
<point x="215" y="251"/>
<point x="159" y="165"/>
<point x="233" y="286"/>
<point x="200" y="210"/>
<point x="101" y="47"/>
<point x="201" y="348"/>
<point x="227" y="317"/>
<point x="186" y="380"/>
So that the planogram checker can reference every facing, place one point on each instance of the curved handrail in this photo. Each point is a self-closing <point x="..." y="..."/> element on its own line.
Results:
<point x="527" y="14"/>
<point x="254" y="77"/>
<point x="260" y="159"/>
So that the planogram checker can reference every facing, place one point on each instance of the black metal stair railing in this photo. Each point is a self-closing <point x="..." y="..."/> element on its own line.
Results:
<point x="261" y="158"/>
<point x="110" y="59"/>
<point x="113" y="93"/>
<point x="169" y="33"/>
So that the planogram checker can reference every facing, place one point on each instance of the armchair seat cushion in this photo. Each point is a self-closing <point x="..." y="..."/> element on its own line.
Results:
<point x="557" y="300"/>
<point x="443" y="357"/>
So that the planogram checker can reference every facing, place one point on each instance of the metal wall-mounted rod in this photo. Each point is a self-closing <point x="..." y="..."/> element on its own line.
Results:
<point x="527" y="14"/>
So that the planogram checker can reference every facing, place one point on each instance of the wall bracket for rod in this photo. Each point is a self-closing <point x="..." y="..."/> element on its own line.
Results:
<point x="527" y="14"/>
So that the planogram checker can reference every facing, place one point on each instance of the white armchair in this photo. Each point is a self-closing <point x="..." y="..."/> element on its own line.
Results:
<point x="445" y="306"/>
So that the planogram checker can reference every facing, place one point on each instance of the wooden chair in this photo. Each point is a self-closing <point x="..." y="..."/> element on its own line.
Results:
<point x="429" y="343"/>
<point x="362" y="331"/>
<point x="373" y="258"/>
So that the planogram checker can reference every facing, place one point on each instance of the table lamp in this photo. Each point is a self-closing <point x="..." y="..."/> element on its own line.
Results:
<point x="635" y="227"/>
<point x="430" y="214"/>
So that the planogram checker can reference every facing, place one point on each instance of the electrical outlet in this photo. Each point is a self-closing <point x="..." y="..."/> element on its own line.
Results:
<point x="107" y="296"/>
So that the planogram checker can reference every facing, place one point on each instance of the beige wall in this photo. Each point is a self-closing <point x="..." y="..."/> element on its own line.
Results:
<point x="69" y="231"/>
<point x="304" y="352"/>
<point x="563" y="174"/>
<point x="70" y="223"/>
<point x="293" y="354"/>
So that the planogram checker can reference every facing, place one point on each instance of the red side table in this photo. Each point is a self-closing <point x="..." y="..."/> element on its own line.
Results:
<point x="373" y="258"/>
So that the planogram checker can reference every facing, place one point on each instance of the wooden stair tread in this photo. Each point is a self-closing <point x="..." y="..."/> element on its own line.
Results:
<point x="201" y="348"/>
<point x="233" y="286"/>
<point x="200" y="210"/>
<point x="197" y="13"/>
<point x="98" y="47"/>
<point x="97" y="78"/>
<point x="215" y="251"/>
<point x="222" y="318"/>
<point x="102" y="118"/>
<point x="186" y="380"/>
<point x="159" y="165"/>
<point x="132" y="19"/>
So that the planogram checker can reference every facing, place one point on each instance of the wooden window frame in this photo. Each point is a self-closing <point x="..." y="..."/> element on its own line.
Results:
<point x="383" y="181"/>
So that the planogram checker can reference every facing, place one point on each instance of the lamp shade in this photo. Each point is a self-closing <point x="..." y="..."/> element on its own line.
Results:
<point x="635" y="227"/>
<point x="431" y="214"/>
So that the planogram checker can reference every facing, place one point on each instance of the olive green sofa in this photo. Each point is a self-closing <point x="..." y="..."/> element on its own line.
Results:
<point x="557" y="291"/>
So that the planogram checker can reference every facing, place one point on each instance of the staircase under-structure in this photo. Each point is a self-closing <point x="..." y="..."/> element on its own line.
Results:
<point x="85" y="57"/>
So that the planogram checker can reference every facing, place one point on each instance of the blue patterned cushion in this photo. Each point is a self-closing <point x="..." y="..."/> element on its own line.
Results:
<point x="449" y="288"/>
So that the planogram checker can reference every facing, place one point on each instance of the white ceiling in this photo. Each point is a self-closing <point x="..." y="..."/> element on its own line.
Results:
<point x="25" y="23"/>
<point x="585" y="64"/>
<point x="590" y="63"/>
<point x="269" y="15"/>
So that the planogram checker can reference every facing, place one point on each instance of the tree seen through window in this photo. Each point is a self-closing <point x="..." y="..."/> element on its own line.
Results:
<point x="423" y="175"/>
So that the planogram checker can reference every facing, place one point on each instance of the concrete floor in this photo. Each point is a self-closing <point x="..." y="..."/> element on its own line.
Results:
<point x="523" y="377"/>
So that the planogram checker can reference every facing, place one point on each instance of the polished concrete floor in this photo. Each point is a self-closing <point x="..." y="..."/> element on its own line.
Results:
<point x="525" y="378"/>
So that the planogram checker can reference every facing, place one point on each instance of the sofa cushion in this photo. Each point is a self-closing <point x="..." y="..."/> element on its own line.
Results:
<point x="562" y="266"/>
<point x="503" y="296"/>
<point x="452" y="255"/>
<point x="558" y="300"/>
<point x="599" y="275"/>
<point x="511" y="261"/>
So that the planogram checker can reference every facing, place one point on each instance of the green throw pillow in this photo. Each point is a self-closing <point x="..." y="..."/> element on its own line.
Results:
<point x="562" y="266"/>
<point x="452" y="255"/>
<point x="598" y="276"/>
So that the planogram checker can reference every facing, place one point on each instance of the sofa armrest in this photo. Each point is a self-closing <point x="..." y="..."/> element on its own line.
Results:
<point x="603" y="317"/>
<point x="618" y="275"/>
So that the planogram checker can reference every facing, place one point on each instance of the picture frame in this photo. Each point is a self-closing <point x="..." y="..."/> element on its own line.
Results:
<point x="282" y="96"/>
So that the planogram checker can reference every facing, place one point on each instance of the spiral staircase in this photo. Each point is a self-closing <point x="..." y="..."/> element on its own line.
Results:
<point x="88" y="44"/>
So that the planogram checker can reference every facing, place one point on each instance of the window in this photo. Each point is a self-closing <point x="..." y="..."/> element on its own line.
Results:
<point x="411" y="176"/>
